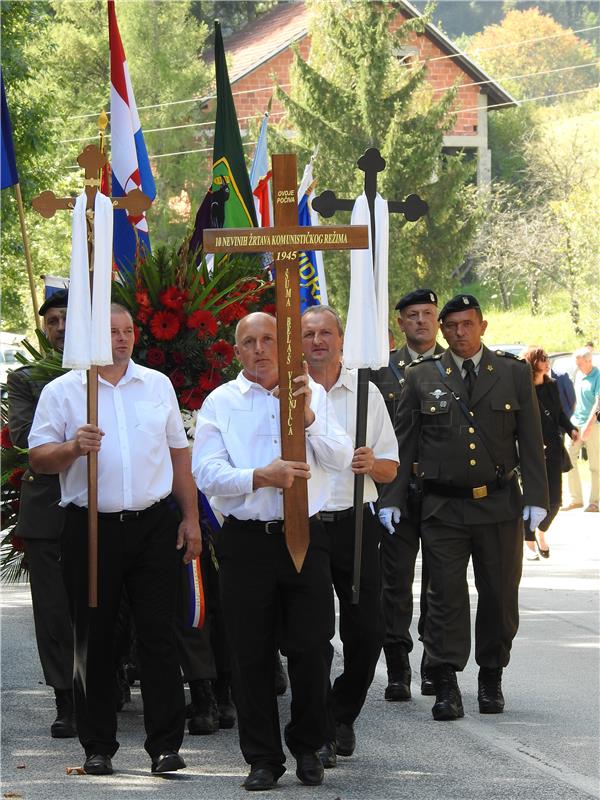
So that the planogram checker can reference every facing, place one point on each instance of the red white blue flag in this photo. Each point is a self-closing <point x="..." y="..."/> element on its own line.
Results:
<point x="129" y="158"/>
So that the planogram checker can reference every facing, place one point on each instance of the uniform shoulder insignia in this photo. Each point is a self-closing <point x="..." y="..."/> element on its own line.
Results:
<point x="505" y="354"/>
<point x="435" y="357"/>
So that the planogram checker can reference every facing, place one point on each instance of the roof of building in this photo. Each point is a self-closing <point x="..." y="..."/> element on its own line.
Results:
<point x="287" y="23"/>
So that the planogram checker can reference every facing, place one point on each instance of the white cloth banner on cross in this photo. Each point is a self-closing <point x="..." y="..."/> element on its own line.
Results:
<point x="366" y="341"/>
<point x="87" y="336"/>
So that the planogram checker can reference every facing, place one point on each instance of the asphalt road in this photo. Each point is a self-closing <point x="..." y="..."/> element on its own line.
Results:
<point x="545" y="745"/>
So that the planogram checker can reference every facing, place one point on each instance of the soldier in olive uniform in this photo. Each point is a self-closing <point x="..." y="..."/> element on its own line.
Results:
<point x="469" y="417"/>
<point x="400" y="514"/>
<point x="40" y="524"/>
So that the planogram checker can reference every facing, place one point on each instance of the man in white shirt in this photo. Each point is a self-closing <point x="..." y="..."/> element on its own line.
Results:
<point x="361" y="626"/>
<point x="266" y="604"/>
<point x="142" y="458"/>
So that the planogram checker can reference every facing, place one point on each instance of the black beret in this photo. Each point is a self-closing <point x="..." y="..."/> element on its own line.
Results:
<point x="417" y="297"/>
<point x="58" y="299"/>
<point x="461" y="302"/>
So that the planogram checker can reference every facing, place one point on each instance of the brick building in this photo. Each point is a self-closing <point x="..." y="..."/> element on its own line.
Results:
<point x="260" y="55"/>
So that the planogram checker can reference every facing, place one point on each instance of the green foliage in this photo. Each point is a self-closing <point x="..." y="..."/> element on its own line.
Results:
<point x="510" y="131"/>
<point x="23" y="23"/>
<point x="232" y="14"/>
<point x="355" y="94"/>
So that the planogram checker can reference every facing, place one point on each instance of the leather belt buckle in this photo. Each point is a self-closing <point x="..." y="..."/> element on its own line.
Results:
<point x="125" y="515"/>
<point x="275" y="522"/>
<point x="479" y="492"/>
<point x="327" y="516"/>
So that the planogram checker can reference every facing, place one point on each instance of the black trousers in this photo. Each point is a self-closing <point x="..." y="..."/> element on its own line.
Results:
<point x="266" y="605"/>
<point x="497" y="553"/>
<point x="53" y="629"/>
<point x="361" y="625"/>
<point x="398" y="557"/>
<point x="139" y="554"/>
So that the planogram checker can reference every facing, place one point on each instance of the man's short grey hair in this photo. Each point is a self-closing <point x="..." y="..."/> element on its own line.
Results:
<point x="119" y="308"/>
<point x="583" y="352"/>
<point x="318" y="309"/>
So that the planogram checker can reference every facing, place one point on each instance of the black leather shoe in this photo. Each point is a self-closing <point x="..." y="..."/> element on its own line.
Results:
<point x="309" y="769"/>
<point x="544" y="553"/>
<point x="345" y="739"/>
<point x="168" y="762"/>
<point x="259" y="780"/>
<point x="328" y="755"/>
<point x="225" y="706"/>
<point x="489" y="695"/>
<point x="448" y="701"/>
<point x="427" y="677"/>
<point x="63" y="726"/>
<point x="399" y="673"/>
<point x="98" y="764"/>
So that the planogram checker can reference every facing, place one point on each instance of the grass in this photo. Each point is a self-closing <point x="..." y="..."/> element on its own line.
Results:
<point x="551" y="329"/>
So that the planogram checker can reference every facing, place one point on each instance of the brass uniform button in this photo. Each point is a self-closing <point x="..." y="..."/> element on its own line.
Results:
<point x="471" y="413"/>
<point x="472" y="446"/>
<point x="391" y="396"/>
<point x="472" y="462"/>
<point x="471" y="430"/>
<point x="30" y="478"/>
<point x="432" y="408"/>
<point x="507" y="406"/>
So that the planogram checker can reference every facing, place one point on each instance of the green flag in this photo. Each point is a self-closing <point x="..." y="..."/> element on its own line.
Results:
<point x="229" y="166"/>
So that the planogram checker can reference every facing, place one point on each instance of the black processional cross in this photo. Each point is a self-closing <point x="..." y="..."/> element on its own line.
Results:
<point x="413" y="208"/>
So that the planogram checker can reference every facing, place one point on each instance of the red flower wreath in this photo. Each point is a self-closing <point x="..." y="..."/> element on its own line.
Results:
<point x="204" y="322"/>
<point x="192" y="399"/>
<point x="164" y="325"/>
<point x="15" y="477"/>
<point x="207" y="382"/>
<point x="173" y="297"/>
<point x="219" y="354"/>
<point x="142" y="298"/>
<point x="155" y="357"/>
<point x="5" y="440"/>
<point x="232" y="313"/>
<point x="177" y="378"/>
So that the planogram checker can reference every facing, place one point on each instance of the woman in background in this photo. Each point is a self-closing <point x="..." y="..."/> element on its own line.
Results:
<point x="554" y="423"/>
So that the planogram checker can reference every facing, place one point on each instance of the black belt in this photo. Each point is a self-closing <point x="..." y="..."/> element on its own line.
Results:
<point x="118" y="516"/>
<point x="264" y="526"/>
<point x="335" y="516"/>
<point x="467" y="492"/>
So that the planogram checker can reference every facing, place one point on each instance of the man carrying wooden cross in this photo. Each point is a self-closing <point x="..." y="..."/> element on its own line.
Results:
<point x="267" y="602"/>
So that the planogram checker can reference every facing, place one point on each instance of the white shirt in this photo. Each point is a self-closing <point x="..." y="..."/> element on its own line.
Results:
<point x="380" y="437"/>
<point x="141" y="421"/>
<point x="237" y="431"/>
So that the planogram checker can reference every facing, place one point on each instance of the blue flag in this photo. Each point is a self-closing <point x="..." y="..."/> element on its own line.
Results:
<point x="8" y="167"/>
<point x="313" y="291"/>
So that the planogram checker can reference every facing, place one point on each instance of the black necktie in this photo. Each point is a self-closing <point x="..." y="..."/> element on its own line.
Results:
<point x="470" y="375"/>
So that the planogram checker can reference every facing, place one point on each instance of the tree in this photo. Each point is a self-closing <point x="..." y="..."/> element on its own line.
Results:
<point x="232" y="15"/>
<point x="359" y="96"/>
<point x="32" y="135"/>
<point x="498" y="50"/>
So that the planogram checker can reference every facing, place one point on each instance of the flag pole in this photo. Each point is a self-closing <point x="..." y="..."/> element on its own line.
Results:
<point x="36" y="308"/>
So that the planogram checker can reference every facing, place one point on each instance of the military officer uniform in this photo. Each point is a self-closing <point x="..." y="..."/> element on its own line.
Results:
<point x="467" y="456"/>
<point x="40" y="525"/>
<point x="399" y="551"/>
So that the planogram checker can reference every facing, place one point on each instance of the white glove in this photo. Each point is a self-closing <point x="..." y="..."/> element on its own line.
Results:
<point x="386" y="515"/>
<point x="535" y="515"/>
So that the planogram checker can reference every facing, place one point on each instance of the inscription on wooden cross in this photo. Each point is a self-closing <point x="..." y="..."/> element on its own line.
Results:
<point x="91" y="159"/>
<point x="284" y="240"/>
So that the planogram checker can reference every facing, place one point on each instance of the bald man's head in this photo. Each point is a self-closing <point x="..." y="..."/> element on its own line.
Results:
<point x="256" y="348"/>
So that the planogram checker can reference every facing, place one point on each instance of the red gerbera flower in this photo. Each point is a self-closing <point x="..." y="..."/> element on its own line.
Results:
<point x="142" y="298"/>
<point x="15" y="477"/>
<point x="192" y="399"/>
<point x="204" y="322"/>
<point x="164" y="325"/>
<point x="219" y="354"/>
<point x="178" y="357"/>
<point x="143" y="315"/>
<point x="173" y="297"/>
<point x="136" y="334"/>
<point x="155" y="357"/>
<point x="177" y="378"/>
<point x="209" y="381"/>
<point x="5" y="440"/>
<point x="269" y="308"/>
<point x="232" y="313"/>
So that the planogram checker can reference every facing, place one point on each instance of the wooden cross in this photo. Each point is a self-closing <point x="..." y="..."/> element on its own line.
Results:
<point x="284" y="240"/>
<point x="413" y="208"/>
<point x="47" y="204"/>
